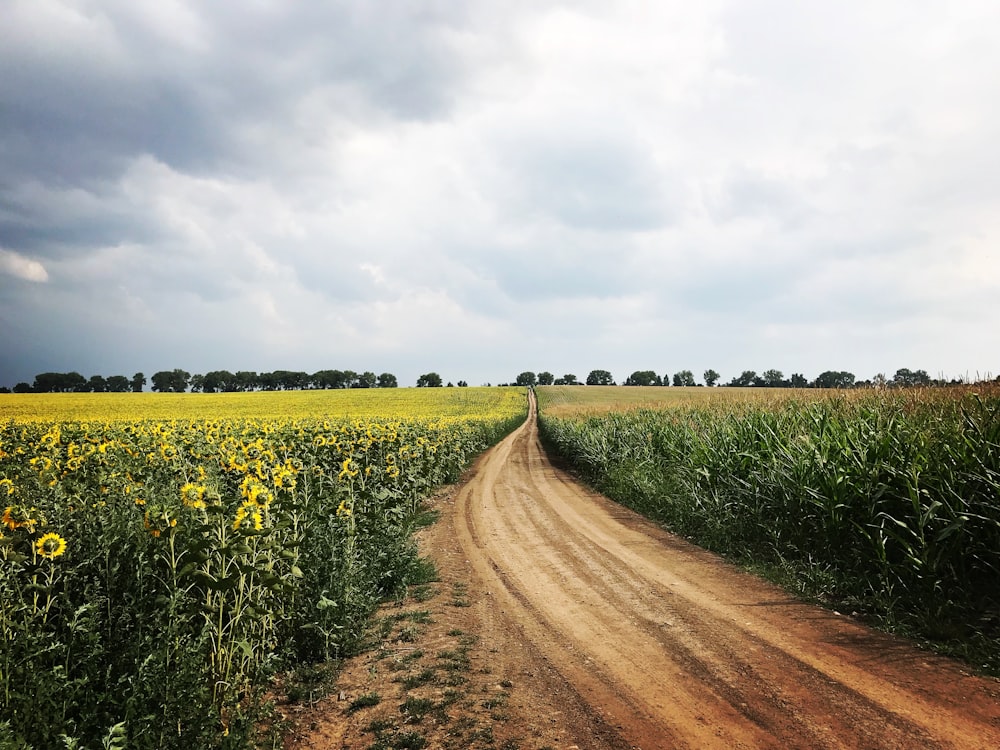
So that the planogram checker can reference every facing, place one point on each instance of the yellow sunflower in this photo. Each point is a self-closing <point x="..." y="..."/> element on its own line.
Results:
<point x="50" y="545"/>
<point x="193" y="495"/>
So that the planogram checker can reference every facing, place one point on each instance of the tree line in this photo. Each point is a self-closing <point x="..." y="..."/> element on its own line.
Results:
<point x="904" y="377"/>
<point x="215" y="381"/>
<point x="224" y="381"/>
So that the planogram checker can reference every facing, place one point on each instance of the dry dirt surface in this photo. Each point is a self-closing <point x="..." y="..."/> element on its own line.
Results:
<point x="586" y="626"/>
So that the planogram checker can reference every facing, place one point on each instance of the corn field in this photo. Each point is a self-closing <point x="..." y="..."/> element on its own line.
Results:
<point x="156" y="573"/>
<point x="886" y="503"/>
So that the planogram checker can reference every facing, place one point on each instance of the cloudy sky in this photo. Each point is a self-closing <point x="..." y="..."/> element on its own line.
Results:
<point x="477" y="187"/>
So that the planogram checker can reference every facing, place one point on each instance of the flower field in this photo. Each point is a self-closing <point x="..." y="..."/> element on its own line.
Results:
<point x="161" y="556"/>
<point x="886" y="503"/>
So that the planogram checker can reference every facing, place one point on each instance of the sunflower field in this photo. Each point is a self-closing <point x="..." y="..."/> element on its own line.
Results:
<point x="156" y="573"/>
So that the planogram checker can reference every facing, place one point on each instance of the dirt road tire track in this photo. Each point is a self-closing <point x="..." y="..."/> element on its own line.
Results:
<point x="649" y="642"/>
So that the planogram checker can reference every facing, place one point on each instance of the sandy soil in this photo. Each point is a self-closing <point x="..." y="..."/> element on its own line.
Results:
<point x="593" y="628"/>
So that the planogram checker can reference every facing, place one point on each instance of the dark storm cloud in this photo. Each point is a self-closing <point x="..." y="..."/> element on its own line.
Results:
<point x="75" y="117"/>
<point x="48" y="221"/>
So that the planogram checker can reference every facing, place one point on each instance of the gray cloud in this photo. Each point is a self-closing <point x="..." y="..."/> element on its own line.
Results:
<point x="587" y="181"/>
<point x="481" y="188"/>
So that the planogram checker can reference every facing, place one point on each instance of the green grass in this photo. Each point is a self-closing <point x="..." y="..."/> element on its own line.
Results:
<point x="364" y="701"/>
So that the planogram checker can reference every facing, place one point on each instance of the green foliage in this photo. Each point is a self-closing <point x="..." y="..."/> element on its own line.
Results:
<point x="364" y="701"/>
<point x="834" y="379"/>
<point x="774" y="379"/>
<point x="643" y="377"/>
<point x="172" y="381"/>
<point x="684" y="378"/>
<point x="429" y="380"/>
<point x="746" y="379"/>
<point x="907" y="378"/>
<point x="526" y="378"/>
<point x="892" y="495"/>
<point x="599" y="377"/>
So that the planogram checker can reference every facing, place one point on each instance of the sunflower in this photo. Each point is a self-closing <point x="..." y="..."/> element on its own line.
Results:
<point x="346" y="471"/>
<point x="50" y="545"/>
<point x="193" y="495"/>
<point x="255" y="511"/>
<point x="18" y="516"/>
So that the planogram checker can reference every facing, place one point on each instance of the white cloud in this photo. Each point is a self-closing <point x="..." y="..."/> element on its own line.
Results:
<point x="21" y="267"/>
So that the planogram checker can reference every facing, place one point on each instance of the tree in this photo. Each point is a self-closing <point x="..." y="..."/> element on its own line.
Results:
<point x="197" y="383"/>
<point x="217" y="381"/>
<point x="367" y="379"/>
<point x="711" y="377"/>
<point x="161" y="381"/>
<point x="567" y="379"/>
<point x="545" y="378"/>
<point x="325" y="379"/>
<point x="774" y="379"/>
<point x="117" y="384"/>
<point x="387" y="380"/>
<point x="462" y="384"/>
<point x="798" y="380"/>
<point x="138" y="382"/>
<point x="600" y="377"/>
<point x="526" y="378"/>
<point x="246" y="380"/>
<point x="59" y="382"/>
<point x="286" y="380"/>
<point x="684" y="378"/>
<point x="643" y="377"/>
<point x="22" y="388"/>
<point x="429" y="380"/>
<point x="746" y="379"/>
<point x="834" y="379"/>
<point x="174" y="381"/>
<point x="906" y="378"/>
<point x="97" y="384"/>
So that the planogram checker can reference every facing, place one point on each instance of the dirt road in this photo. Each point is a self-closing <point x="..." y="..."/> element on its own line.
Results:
<point x="641" y="640"/>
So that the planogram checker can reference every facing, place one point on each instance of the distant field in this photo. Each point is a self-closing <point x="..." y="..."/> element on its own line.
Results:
<point x="590" y="400"/>
<point x="418" y="403"/>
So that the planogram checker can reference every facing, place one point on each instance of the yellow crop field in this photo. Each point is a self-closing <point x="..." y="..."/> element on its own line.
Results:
<point x="583" y="401"/>
<point x="162" y="555"/>
<point x="415" y="403"/>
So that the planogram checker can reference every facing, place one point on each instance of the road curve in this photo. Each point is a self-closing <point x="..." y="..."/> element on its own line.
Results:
<point x="666" y="646"/>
